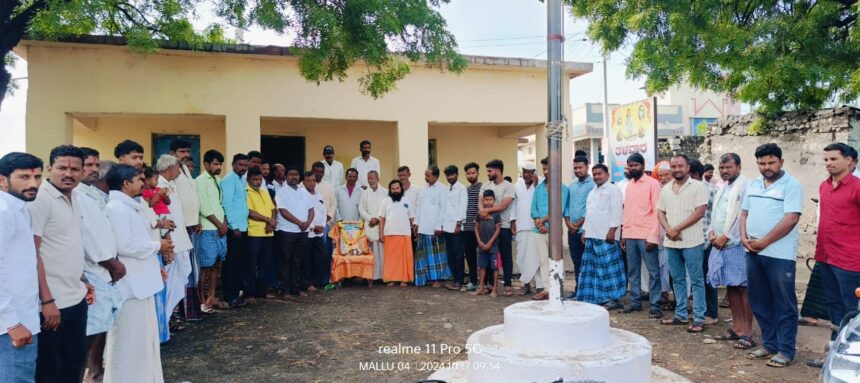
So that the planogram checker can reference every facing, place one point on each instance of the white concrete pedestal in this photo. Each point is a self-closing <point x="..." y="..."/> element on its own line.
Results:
<point x="539" y="343"/>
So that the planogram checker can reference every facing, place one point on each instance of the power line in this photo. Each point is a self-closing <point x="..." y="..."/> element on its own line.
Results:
<point x="505" y="38"/>
<point x="566" y="38"/>
<point x="575" y="49"/>
<point x="503" y="44"/>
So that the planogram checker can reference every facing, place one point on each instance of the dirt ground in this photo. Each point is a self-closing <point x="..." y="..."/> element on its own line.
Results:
<point x="334" y="336"/>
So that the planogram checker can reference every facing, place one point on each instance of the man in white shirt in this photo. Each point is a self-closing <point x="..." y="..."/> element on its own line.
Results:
<point x="186" y="189"/>
<point x="317" y="262"/>
<point x="410" y="194"/>
<point x="348" y="197"/>
<point x="328" y="192"/>
<point x="279" y="178"/>
<point x="364" y="163"/>
<point x="333" y="168"/>
<point x="431" y="259"/>
<point x="20" y="176"/>
<point x="132" y="353"/>
<point x="452" y="225"/>
<point x="523" y="228"/>
<point x="102" y="268"/>
<point x="368" y="207"/>
<point x="602" y="278"/>
<point x="622" y="185"/>
<point x="295" y="216"/>
<point x="59" y="241"/>
<point x="169" y="171"/>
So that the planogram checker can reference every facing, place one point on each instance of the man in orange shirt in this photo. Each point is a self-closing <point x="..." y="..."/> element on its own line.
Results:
<point x="639" y="235"/>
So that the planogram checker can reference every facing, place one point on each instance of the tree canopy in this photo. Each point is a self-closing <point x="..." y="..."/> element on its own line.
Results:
<point x="776" y="55"/>
<point x="331" y="35"/>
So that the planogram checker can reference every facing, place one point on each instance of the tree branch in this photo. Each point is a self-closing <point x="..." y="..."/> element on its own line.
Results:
<point x="14" y="30"/>
<point x="143" y="20"/>
<point x="7" y="8"/>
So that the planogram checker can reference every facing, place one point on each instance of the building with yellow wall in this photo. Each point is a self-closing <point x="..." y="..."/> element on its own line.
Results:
<point x="94" y="92"/>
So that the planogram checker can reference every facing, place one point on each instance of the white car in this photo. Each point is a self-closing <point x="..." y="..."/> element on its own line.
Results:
<point x="843" y="360"/>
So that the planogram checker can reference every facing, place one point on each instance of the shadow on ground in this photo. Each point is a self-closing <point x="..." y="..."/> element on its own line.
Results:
<point x="341" y="336"/>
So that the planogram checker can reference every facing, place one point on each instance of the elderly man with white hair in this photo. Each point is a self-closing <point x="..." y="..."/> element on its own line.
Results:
<point x="168" y="168"/>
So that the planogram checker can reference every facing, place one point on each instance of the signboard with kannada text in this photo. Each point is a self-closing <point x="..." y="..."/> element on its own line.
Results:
<point x="632" y="129"/>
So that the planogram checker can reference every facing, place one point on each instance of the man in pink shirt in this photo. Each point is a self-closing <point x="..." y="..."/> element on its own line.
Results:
<point x="639" y="235"/>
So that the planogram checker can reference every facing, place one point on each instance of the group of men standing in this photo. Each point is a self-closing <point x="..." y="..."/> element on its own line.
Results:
<point x="741" y="234"/>
<point x="91" y="272"/>
<point x="80" y="275"/>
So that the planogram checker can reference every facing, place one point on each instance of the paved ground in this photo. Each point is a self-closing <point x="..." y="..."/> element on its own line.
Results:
<point x="332" y="336"/>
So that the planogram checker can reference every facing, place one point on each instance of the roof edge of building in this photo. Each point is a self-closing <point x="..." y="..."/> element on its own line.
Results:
<point x="571" y="67"/>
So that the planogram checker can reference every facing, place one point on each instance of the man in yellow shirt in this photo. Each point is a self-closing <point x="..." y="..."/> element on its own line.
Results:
<point x="261" y="232"/>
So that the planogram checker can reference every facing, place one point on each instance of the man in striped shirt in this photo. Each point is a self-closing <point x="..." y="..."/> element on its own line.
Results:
<point x="470" y="242"/>
<point x="680" y="210"/>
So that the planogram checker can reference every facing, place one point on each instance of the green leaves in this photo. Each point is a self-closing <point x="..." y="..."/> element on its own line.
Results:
<point x="776" y="55"/>
<point x="381" y="36"/>
<point x="375" y="34"/>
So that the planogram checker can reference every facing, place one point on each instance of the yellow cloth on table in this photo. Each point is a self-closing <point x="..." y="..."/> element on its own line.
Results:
<point x="351" y="256"/>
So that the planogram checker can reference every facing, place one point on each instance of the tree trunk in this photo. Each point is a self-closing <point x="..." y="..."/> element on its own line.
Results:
<point x="5" y="79"/>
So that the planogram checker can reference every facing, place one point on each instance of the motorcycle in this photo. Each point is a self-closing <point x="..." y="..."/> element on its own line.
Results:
<point x="842" y="364"/>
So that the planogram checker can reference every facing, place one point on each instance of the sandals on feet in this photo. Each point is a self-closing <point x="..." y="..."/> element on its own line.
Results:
<point x="779" y="361"/>
<point x="674" y="321"/>
<point x="729" y="335"/>
<point x="541" y="296"/>
<point x="744" y="343"/>
<point x="508" y="292"/>
<point x="759" y="354"/>
<point x="696" y="328"/>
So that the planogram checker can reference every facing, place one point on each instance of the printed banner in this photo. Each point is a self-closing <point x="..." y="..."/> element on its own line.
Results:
<point x="632" y="129"/>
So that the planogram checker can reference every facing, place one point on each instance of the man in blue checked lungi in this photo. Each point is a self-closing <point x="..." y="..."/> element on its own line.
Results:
<point x="431" y="259"/>
<point x="727" y="264"/>
<point x="602" y="279"/>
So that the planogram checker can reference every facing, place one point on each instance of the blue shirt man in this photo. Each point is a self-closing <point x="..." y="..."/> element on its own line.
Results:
<point x="766" y="206"/>
<point x="540" y="204"/>
<point x="575" y="212"/>
<point x="235" y="199"/>
<point x="577" y="197"/>
<point x="771" y="208"/>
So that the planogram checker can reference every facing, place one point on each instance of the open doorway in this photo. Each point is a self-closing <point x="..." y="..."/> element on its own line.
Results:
<point x="285" y="150"/>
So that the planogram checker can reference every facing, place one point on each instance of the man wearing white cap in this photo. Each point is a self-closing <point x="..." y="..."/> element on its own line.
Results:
<point x="523" y="227"/>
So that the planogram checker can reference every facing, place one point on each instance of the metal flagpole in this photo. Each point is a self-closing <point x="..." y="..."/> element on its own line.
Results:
<point x="555" y="130"/>
<point x="604" y="143"/>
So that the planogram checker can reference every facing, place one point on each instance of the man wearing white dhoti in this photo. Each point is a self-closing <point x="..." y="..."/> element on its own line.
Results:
<point x="168" y="169"/>
<point x="523" y="226"/>
<point x="132" y="353"/>
<point x="368" y="207"/>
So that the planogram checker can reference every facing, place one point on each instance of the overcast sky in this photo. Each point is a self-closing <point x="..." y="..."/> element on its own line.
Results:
<point x="511" y="28"/>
